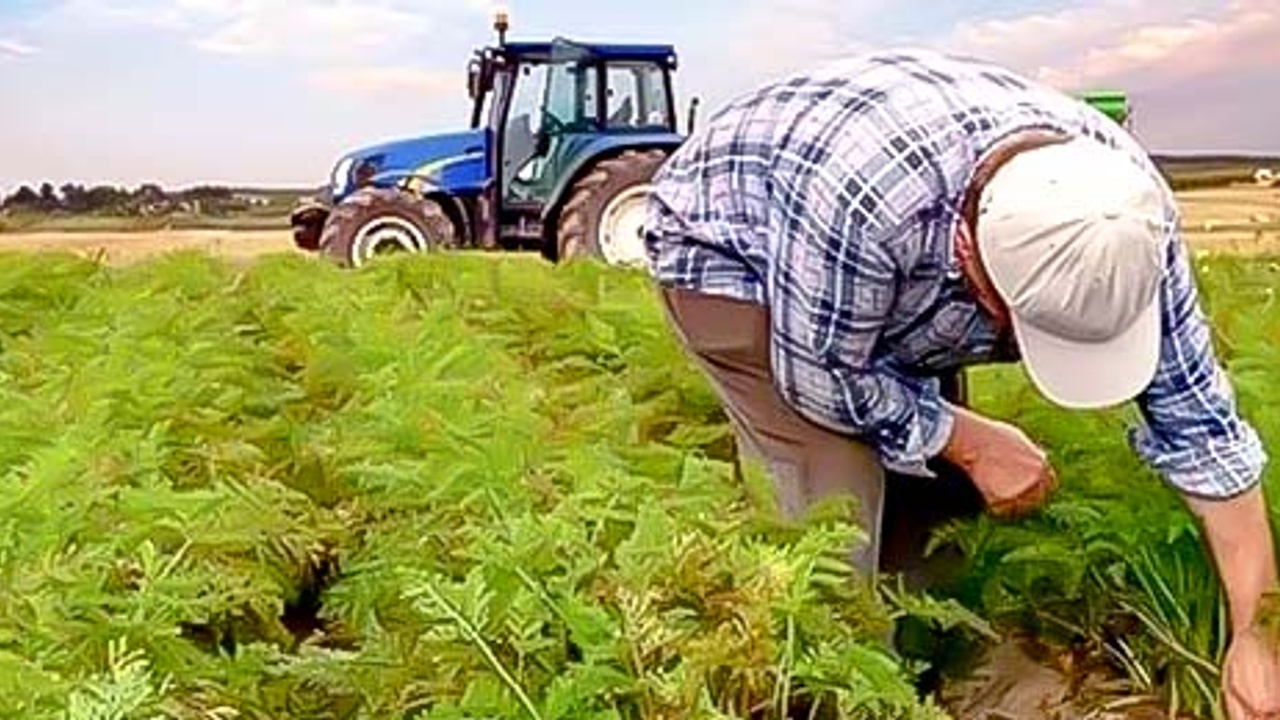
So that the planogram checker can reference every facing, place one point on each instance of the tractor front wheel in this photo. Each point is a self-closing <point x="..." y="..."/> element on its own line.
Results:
<point x="381" y="221"/>
<point x="604" y="217"/>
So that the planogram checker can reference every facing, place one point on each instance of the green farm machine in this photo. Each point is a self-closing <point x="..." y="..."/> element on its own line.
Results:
<point x="1113" y="103"/>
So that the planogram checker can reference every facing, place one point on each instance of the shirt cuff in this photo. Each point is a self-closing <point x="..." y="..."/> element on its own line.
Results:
<point x="1213" y="469"/>
<point x="928" y="436"/>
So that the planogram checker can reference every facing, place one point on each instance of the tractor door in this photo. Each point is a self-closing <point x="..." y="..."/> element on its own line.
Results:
<point x="553" y="106"/>
<point x="523" y="123"/>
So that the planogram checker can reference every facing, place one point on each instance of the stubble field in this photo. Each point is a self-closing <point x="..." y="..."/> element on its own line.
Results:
<point x="1241" y="219"/>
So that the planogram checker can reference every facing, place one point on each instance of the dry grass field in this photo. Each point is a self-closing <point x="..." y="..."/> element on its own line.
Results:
<point x="126" y="247"/>
<point x="1242" y="219"/>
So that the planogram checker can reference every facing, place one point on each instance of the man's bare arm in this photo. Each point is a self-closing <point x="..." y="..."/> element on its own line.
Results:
<point x="1239" y="535"/>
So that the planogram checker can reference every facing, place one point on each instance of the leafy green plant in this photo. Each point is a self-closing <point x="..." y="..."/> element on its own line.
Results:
<point x="437" y="488"/>
<point x="447" y="487"/>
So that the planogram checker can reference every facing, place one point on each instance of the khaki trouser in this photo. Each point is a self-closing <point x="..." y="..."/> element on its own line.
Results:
<point x="729" y="339"/>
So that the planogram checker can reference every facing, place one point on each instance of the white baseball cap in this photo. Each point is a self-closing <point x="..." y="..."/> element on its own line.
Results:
<point x="1072" y="237"/>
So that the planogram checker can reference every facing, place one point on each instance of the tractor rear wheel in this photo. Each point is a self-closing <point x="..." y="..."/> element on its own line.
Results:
<point x="381" y="221"/>
<point x="604" y="217"/>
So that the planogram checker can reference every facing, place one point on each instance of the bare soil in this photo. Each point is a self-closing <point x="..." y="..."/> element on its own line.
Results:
<point x="1020" y="680"/>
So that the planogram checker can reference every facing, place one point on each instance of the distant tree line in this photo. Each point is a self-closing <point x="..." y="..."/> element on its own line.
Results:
<point x="146" y="199"/>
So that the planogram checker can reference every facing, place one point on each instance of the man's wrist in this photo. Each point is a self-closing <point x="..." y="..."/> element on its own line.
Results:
<point x="936" y="429"/>
<point x="959" y="448"/>
<point x="1238" y="532"/>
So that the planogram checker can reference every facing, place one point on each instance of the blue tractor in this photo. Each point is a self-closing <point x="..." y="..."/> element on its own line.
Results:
<point x="564" y="139"/>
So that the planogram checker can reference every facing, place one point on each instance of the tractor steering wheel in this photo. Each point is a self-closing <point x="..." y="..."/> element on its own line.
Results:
<point x="551" y="124"/>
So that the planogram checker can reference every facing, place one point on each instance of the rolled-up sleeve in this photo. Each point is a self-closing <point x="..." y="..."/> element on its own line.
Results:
<point x="829" y="302"/>
<point x="1192" y="433"/>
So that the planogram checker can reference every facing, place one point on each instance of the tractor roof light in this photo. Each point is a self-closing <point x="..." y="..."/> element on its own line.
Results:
<point x="501" y="23"/>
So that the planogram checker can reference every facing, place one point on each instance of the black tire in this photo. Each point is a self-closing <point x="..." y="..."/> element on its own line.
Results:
<point x="373" y="221"/>
<point x="578" y="231"/>
<point x="307" y="221"/>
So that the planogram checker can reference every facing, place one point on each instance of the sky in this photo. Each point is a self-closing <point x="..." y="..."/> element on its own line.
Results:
<point x="270" y="92"/>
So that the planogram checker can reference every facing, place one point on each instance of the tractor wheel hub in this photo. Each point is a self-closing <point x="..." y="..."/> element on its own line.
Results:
<point x="621" y="238"/>
<point x="386" y="235"/>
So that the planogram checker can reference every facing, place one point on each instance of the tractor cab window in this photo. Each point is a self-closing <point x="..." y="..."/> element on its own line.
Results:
<point x="526" y="99"/>
<point x="571" y="95"/>
<point x="548" y="102"/>
<point x="637" y="97"/>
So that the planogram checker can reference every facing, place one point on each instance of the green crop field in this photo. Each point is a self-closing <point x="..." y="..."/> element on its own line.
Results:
<point x="461" y="487"/>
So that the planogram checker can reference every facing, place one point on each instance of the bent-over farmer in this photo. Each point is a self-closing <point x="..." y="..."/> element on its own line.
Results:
<point x="835" y="245"/>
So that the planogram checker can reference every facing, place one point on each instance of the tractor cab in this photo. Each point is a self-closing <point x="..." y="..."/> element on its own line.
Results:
<point x="555" y="108"/>
<point x="564" y="137"/>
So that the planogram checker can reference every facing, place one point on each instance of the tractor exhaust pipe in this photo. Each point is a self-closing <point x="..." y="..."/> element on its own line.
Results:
<point x="693" y="113"/>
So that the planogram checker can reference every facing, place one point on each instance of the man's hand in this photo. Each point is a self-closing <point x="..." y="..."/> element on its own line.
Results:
<point x="1012" y="472"/>
<point x="1239" y="535"/>
<point x="1251" y="678"/>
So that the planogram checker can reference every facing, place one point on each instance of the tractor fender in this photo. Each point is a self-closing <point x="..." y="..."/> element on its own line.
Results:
<point x="596" y="149"/>
<point x="455" y="209"/>
<point x="425" y="185"/>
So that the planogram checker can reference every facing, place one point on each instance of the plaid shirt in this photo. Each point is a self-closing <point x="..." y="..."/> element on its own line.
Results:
<point x="833" y="197"/>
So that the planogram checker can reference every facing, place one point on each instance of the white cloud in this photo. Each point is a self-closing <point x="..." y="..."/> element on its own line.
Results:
<point x="109" y="13"/>
<point x="312" y="31"/>
<point x="765" y="39"/>
<point x="1096" y="43"/>
<point x="422" y="83"/>
<point x="1215" y="57"/>
<point x="1129" y="41"/>
<point x="12" y="48"/>
<point x="1201" y="75"/>
<point x="771" y="36"/>
<point x="335" y="30"/>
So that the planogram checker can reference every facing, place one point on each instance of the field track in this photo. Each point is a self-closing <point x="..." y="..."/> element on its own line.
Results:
<point x="1243" y="219"/>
